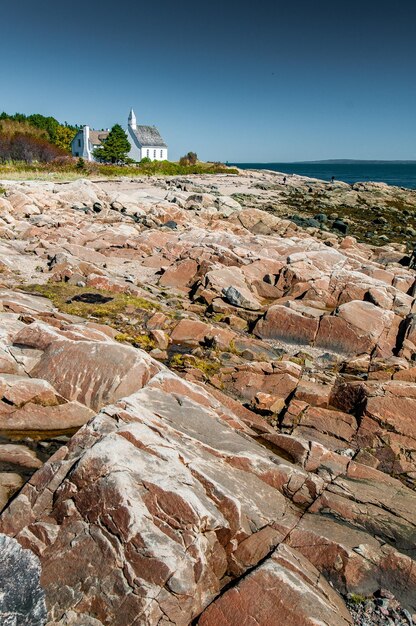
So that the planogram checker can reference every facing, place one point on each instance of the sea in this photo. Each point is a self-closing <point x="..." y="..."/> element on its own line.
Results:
<point x="390" y="172"/>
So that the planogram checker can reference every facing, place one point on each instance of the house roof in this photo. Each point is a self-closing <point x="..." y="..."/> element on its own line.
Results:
<point x="149" y="136"/>
<point x="97" y="137"/>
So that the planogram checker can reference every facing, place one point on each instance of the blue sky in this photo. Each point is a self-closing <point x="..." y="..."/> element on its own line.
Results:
<point x="247" y="81"/>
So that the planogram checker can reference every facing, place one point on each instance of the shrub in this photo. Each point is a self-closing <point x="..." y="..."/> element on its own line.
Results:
<point x="28" y="148"/>
<point x="80" y="164"/>
<point x="189" y="159"/>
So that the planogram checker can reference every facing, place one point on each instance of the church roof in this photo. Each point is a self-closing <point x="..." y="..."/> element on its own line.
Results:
<point x="149" y="136"/>
<point x="98" y="136"/>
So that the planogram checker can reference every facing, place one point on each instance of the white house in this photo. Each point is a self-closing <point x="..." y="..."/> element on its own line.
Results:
<point x="86" y="141"/>
<point x="145" y="141"/>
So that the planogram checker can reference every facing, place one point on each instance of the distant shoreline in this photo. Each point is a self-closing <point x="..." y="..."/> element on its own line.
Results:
<point x="331" y="161"/>
<point x="394" y="173"/>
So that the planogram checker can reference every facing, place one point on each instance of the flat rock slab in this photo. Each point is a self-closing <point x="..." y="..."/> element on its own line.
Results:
<point x="296" y="595"/>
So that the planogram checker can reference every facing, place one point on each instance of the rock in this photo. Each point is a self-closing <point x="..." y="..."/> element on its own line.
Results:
<point x="245" y="381"/>
<point x="240" y="298"/>
<point x="356" y="328"/>
<point x="180" y="275"/>
<point x="203" y="200"/>
<point x="296" y="595"/>
<point x="10" y="482"/>
<point x="119" y="487"/>
<point x="288" y="325"/>
<point x="334" y="429"/>
<point x="340" y="225"/>
<point x="84" y="370"/>
<point x="22" y="601"/>
<point x="19" y="455"/>
<point x="232" y="284"/>
<point x="227" y="205"/>
<point x="190" y="332"/>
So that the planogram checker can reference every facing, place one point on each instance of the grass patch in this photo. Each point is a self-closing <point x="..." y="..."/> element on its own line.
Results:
<point x="357" y="599"/>
<point x="144" y="342"/>
<point x="186" y="361"/>
<point x="115" y="312"/>
<point x="2" y="191"/>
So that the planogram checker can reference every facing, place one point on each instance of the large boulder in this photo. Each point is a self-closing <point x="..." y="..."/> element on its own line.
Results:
<point x="286" y="324"/>
<point x="231" y="284"/>
<point x="356" y="328"/>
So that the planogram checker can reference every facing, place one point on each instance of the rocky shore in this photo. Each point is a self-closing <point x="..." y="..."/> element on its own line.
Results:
<point x="208" y="402"/>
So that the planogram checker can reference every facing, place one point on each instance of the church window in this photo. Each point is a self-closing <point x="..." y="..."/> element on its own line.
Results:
<point x="161" y="154"/>
<point x="148" y="152"/>
<point x="154" y="154"/>
<point x="79" y="143"/>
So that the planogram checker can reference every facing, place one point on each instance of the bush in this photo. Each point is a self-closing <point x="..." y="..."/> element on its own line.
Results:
<point x="28" y="148"/>
<point x="189" y="159"/>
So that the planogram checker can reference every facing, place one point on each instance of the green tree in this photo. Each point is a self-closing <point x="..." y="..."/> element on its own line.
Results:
<point x="48" y="124"/>
<point x="115" y="148"/>
<point x="63" y="137"/>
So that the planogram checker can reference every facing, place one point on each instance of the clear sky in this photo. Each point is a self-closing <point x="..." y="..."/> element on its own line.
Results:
<point x="253" y="81"/>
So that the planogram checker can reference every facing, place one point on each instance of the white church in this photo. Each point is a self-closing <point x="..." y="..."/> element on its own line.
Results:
<point x="145" y="141"/>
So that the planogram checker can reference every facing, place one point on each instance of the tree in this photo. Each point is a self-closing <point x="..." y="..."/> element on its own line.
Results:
<point x="48" y="124"/>
<point x="63" y="137"/>
<point x="115" y="148"/>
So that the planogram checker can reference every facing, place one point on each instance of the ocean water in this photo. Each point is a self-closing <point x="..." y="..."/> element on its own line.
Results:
<point x="392" y="173"/>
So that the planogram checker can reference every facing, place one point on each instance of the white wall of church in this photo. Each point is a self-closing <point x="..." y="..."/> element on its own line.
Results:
<point x="135" y="152"/>
<point x="154" y="154"/>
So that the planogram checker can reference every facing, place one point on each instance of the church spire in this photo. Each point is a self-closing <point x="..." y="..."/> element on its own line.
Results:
<point x="132" y="120"/>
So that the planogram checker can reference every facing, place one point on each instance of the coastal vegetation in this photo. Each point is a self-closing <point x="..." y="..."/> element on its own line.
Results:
<point x="69" y="168"/>
<point x="20" y="134"/>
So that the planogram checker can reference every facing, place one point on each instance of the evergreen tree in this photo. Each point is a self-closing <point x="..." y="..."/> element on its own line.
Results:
<point x="115" y="148"/>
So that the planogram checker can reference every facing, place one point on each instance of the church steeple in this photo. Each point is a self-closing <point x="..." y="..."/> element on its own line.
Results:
<point x="132" y="120"/>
